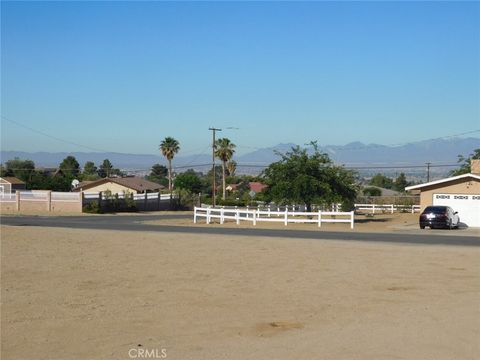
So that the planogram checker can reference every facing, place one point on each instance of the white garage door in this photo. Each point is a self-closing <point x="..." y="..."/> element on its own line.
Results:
<point x="468" y="206"/>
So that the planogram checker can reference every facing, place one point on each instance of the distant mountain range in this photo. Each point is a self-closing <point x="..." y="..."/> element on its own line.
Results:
<point x="356" y="154"/>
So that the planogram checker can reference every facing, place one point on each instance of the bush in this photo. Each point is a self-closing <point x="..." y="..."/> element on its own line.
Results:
<point x="92" y="208"/>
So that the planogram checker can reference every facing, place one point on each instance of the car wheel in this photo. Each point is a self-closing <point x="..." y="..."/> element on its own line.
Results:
<point x="422" y="227"/>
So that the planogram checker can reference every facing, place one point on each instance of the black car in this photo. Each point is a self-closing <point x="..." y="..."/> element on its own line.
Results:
<point x="439" y="217"/>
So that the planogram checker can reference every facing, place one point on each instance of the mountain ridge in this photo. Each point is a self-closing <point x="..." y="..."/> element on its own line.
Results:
<point x="352" y="154"/>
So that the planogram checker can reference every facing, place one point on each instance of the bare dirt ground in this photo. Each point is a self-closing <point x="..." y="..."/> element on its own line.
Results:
<point x="84" y="294"/>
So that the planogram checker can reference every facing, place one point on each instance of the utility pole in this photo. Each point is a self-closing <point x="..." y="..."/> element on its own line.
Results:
<point x="213" y="165"/>
<point x="428" y="171"/>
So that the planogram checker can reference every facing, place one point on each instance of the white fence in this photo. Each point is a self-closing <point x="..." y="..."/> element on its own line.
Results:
<point x="285" y="217"/>
<point x="8" y="197"/>
<point x="391" y="208"/>
<point x="148" y="196"/>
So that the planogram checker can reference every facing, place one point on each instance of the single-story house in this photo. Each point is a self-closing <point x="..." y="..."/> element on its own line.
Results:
<point x="257" y="187"/>
<point x="461" y="193"/>
<point x="134" y="185"/>
<point x="10" y="184"/>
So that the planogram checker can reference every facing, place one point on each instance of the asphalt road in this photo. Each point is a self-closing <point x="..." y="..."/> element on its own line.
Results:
<point x="135" y="223"/>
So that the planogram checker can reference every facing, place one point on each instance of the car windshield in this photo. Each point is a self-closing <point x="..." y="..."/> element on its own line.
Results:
<point x="436" y="209"/>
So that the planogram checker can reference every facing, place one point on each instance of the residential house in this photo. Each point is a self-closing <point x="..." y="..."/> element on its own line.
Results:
<point x="462" y="193"/>
<point x="10" y="184"/>
<point x="134" y="185"/>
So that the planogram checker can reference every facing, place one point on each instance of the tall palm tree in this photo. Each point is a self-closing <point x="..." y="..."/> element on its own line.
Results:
<point x="224" y="151"/>
<point x="231" y="167"/>
<point x="169" y="147"/>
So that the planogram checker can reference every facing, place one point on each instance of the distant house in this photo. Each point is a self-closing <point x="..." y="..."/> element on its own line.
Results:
<point x="232" y="187"/>
<point x="52" y="172"/>
<point x="10" y="184"/>
<point x="462" y="193"/>
<point x="257" y="187"/>
<point x="134" y="185"/>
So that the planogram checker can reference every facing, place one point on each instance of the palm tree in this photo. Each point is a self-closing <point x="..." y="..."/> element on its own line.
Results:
<point x="224" y="151"/>
<point x="231" y="167"/>
<point x="169" y="147"/>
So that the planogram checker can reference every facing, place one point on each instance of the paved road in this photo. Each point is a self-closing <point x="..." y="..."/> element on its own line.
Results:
<point x="135" y="223"/>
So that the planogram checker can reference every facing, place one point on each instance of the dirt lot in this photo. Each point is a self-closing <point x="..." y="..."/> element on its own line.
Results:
<point x="83" y="294"/>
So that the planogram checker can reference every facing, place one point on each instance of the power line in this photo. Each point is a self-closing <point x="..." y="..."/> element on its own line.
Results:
<point x="265" y="166"/>
<point x="53" y="137"/>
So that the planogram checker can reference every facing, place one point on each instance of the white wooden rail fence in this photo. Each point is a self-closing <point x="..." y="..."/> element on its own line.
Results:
<point x="373" y="208"/>
<point x="286" y="216"/>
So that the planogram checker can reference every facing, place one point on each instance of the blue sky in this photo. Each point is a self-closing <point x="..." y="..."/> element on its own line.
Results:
<point x="121" y="76"/>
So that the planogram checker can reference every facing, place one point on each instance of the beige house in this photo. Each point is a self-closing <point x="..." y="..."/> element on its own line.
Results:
<point x="462" y="193"/>
<point x="10" y="184"/>
<point x="134" y="185"/>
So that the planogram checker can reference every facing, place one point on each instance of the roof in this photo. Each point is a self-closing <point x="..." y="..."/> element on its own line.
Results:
<point x="12" y="180"/>
<point x="258" y="187"/>
<point x="134" y="183"/>
<point x="442" y="181"/>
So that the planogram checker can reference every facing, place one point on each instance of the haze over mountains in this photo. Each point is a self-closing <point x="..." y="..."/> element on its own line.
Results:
<point x="436" y="151"/>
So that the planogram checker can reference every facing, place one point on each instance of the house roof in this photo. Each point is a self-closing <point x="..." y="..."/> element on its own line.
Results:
<point x="13" y="180"/>
<point x="442" y="181"/>
<point x="258" y="187"/>
<point x="134" y="183"/>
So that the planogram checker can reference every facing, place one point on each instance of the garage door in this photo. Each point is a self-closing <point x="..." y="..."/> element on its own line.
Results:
<point x="468" y="206"/>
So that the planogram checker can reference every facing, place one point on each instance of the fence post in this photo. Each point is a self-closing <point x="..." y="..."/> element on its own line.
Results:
<point x="222" y="218"/>
<point x="195" y="215"/>
<point x="81" y="200"/>
<point x="373" y="208"/>
<point x="17" y="198"/>
<point x="286" y="215"/>
<point x="49" y="200"/>
<point x="237" y="216"/>
<point x="269" y="210"/>
<point x="352" y="214"/>
<point x="145" y="202"/>
<point x="254" y="217"/>
<point x="391" y="209"/>
<point x="208" y="215"/>
<point x="319" y="218"/>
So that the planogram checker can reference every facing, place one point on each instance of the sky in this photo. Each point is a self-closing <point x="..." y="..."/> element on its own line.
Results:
<point x="122" y="76"/>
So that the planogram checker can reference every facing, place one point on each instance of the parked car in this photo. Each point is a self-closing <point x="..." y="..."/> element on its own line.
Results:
<point x="439" y="217"/>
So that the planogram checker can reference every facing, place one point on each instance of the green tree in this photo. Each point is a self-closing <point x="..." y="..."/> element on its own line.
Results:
<point x="70" y="167"/>
<point x="372" y="191"/>
<point x="89" y="168"/>
<point x="401" y="182"/>
<point x="189" y="181"/>
<point x="106" y="169"/>
<point x="382" y="181"/>
<point x="224" y="150"/>
<point x="307" y="179"/>
<point x="22" y="169"/>
<point x="465" y="166"/>
<point x="158" y="174"/>
<point x="169" y="148"/>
